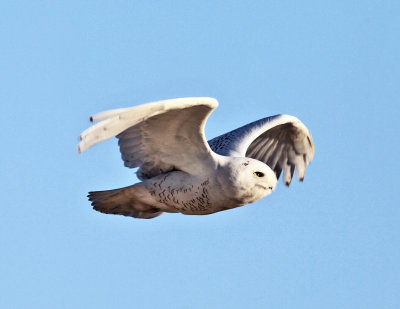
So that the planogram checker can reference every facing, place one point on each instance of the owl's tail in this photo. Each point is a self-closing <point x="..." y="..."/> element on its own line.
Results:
<point x="124" y="201"/>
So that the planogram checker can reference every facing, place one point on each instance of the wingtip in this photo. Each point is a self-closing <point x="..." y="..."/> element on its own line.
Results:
<point x="80" y="148"/>
<point x="214" y="102"/>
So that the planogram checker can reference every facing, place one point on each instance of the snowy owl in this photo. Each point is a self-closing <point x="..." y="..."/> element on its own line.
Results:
<point x="181" y="172"/>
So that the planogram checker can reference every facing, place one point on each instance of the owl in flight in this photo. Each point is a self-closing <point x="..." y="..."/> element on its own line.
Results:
<point x="182" y="172"/>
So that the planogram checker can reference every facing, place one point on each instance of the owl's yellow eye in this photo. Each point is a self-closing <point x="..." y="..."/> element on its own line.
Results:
<point x="258" y="174"/>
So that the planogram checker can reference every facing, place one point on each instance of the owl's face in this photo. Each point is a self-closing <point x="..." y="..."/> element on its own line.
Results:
<point x="252" y="179"/>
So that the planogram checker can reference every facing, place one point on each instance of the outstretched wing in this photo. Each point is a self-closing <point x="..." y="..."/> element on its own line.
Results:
<point x="282" y="142"/>
<point x="157" y="137"/>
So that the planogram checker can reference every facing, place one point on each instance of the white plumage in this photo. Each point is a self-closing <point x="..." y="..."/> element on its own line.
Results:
<point x="182" y="172"/>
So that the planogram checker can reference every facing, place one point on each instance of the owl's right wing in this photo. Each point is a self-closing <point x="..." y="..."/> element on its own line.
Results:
<point x="282" y="142"/>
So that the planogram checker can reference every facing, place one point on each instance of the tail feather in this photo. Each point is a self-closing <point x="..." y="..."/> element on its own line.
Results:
<point x="122" y="201"/>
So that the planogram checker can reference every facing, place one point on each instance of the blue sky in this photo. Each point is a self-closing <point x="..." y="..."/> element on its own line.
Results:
<point x="330" y="242"/>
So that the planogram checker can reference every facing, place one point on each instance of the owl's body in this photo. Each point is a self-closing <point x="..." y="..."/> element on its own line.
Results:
<point x="234" y="184"/>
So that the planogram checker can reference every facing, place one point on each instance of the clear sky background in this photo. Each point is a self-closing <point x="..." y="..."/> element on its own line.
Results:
<point x="330" y="242"/>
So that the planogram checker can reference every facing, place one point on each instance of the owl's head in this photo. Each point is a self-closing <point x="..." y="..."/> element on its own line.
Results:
<point x="251" y="178"/>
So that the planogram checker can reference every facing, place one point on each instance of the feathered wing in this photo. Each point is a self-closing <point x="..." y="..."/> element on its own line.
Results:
<point x="157" y="137"/>
<point x="283" y="142"/>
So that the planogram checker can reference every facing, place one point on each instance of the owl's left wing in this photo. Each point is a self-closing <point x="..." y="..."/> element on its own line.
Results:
<point x="282" y="142"/>
<point x="158" y="136"/>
